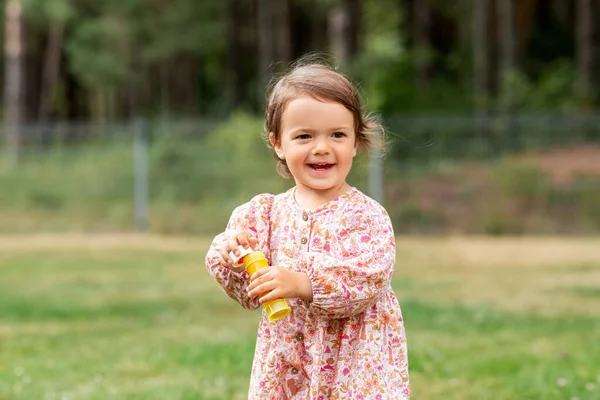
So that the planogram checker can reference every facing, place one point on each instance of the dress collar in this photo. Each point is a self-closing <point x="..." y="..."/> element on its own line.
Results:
<point x="330" y="205"/>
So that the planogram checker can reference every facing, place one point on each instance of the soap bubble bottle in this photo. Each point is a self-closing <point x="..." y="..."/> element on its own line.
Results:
<point x="252" y="262"/>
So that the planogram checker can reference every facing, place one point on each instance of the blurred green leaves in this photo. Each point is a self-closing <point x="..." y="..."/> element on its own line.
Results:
<point x="40" y="12"/>
<point x="113" y="41"/>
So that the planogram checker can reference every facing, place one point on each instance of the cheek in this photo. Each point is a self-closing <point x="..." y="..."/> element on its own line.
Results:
<point x="294" y="159"/>
<point x="350" y="153"/>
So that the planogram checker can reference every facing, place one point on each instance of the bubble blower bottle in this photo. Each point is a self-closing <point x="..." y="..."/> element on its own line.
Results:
<point x="252" y="262"/>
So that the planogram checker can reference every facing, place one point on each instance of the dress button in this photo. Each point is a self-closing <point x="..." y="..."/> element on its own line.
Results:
<point x="305" y="216"/>
<point x="303" y="240"/>
<point x="299" y="337"/>
<point x="295" y="371"/>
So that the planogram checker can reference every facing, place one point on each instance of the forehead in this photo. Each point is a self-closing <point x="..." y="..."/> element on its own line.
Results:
<point x="315" y="114"/>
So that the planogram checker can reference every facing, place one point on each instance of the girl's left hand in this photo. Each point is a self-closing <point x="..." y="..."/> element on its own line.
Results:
<point x="273" y="283"/>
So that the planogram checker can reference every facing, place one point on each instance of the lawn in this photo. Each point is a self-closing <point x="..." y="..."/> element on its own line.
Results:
<point x="133" y="317"/>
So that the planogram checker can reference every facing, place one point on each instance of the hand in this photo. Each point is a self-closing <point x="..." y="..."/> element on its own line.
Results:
<point x="244" y="239"/>
<point x="273" y="283"/>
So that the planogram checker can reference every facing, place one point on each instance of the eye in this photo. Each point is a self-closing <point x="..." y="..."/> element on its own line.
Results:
<point x="339" y="135"/>
<point x="303" y="136"/>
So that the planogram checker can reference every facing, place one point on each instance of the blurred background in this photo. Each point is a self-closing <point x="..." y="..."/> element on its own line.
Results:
<point x="131" y="129"/>
<point x="491" y="107"/>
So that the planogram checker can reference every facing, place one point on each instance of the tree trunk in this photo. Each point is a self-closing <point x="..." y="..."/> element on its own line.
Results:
<point x="236" y="68"/>
<point x="481" y="65"/>
<point x="266" y="43"/>
<point x="283" y="44"/>
<point x="274" y="38"/>
<point x="585" y="53"/>
<point x="481" y="42"/>
<point x="165" y="95"/>
<point x="525" y="19"/>
<point x="506" y="54"/>
<point x="51" y="72"/>
<point x="344" y="27"/>
<point x="13" y="82"/>
<point x="422" y="47"/>
<point x="507" y="70"/>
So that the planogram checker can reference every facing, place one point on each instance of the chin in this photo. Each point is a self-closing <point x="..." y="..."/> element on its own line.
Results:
<point x="325" y="186"/>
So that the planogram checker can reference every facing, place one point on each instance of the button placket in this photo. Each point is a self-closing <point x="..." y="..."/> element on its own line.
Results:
<point x="306" y="228"/>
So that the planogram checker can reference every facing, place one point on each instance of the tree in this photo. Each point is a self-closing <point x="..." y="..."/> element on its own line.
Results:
<point x="344" y="26"/>
<point x="13" y="83"/>
<point x="422" y="18"/>
<point x="507" y="68"/>
<point x="58" y="13"/>
<point x="242" y="49"/>
<point x="481" y="9"/>
<point x="584" y="86"/>
<point x="273" y="36"/>
<point x="506" y="51"/>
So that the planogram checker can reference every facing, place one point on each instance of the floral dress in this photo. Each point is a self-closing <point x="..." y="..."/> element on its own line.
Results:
<point x="349" y="341"/>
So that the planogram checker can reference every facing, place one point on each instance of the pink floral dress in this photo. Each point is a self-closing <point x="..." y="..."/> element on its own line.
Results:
<point x="349" y="342"/>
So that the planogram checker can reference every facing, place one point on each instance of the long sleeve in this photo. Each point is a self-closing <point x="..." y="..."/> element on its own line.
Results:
<point x="348" y="286"/>
<point x="252" y="217"/>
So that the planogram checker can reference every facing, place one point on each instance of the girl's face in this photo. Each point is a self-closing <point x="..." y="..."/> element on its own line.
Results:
<point x="318" y="143"/>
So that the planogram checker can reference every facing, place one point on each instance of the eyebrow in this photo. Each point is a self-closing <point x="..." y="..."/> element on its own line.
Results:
<point x="304" y="129"/>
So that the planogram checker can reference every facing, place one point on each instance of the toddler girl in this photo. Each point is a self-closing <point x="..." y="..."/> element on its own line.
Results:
<point x="331" y="252"/>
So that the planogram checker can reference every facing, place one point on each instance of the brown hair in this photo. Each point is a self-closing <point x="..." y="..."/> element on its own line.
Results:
<point x="323" y="83"/>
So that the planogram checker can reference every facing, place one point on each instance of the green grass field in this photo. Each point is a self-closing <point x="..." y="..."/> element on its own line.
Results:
<point x="129" y="317"/>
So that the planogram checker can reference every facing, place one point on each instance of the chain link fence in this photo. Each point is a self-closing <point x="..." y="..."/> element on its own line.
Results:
<point x="458" y="174"/>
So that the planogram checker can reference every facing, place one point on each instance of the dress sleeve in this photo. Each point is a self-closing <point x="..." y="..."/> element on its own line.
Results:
<point x="343" y="287"/>
<point x="253" y="217"/>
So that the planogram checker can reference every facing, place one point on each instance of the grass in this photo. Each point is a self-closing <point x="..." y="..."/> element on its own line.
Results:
<point x="130" y="317"/>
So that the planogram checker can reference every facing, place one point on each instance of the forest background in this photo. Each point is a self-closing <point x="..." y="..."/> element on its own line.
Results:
<point x="490" y="105"/>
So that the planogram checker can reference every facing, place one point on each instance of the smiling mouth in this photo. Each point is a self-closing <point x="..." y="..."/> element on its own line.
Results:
<point x="321" y="166"/>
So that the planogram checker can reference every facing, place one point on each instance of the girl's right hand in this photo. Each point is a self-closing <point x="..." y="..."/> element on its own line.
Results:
<point x="231" y="248"/>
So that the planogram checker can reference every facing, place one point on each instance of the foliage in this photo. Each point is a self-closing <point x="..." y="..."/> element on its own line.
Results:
<point x="553" y="90"/>
<point x="126" y="44"/>
<point x="98" y="49"/>
<point x="112" y="43"/>
<point x="389" y="87"/>
<point x="39" y="12"/>
<point x="232" y="162"/>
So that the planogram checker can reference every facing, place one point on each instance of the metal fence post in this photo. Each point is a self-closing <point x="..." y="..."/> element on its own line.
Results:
<point x="140" y="175"/>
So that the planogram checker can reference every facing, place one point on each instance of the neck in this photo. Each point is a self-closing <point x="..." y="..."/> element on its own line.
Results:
<point x="311" y="198"/>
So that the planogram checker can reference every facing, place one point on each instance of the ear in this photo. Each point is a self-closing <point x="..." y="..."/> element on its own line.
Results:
<point x="276" y="146"/>
<point x="356" y="144"/>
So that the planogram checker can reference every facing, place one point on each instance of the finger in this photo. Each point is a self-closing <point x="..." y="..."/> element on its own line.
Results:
<point x="259" y="273"/>
<point x="233" y="245"/>
<point x="254" y="282"/>
<point x="256" y="279"/>
<point x="253" y="242"/>
<point x="242" y="239"/>
<point x="225" y="257"/>
<point x="270" y="296"/>
<point x="262" y="289"/>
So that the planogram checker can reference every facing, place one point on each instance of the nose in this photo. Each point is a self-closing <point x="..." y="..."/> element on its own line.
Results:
<point x="321" y="146"/>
